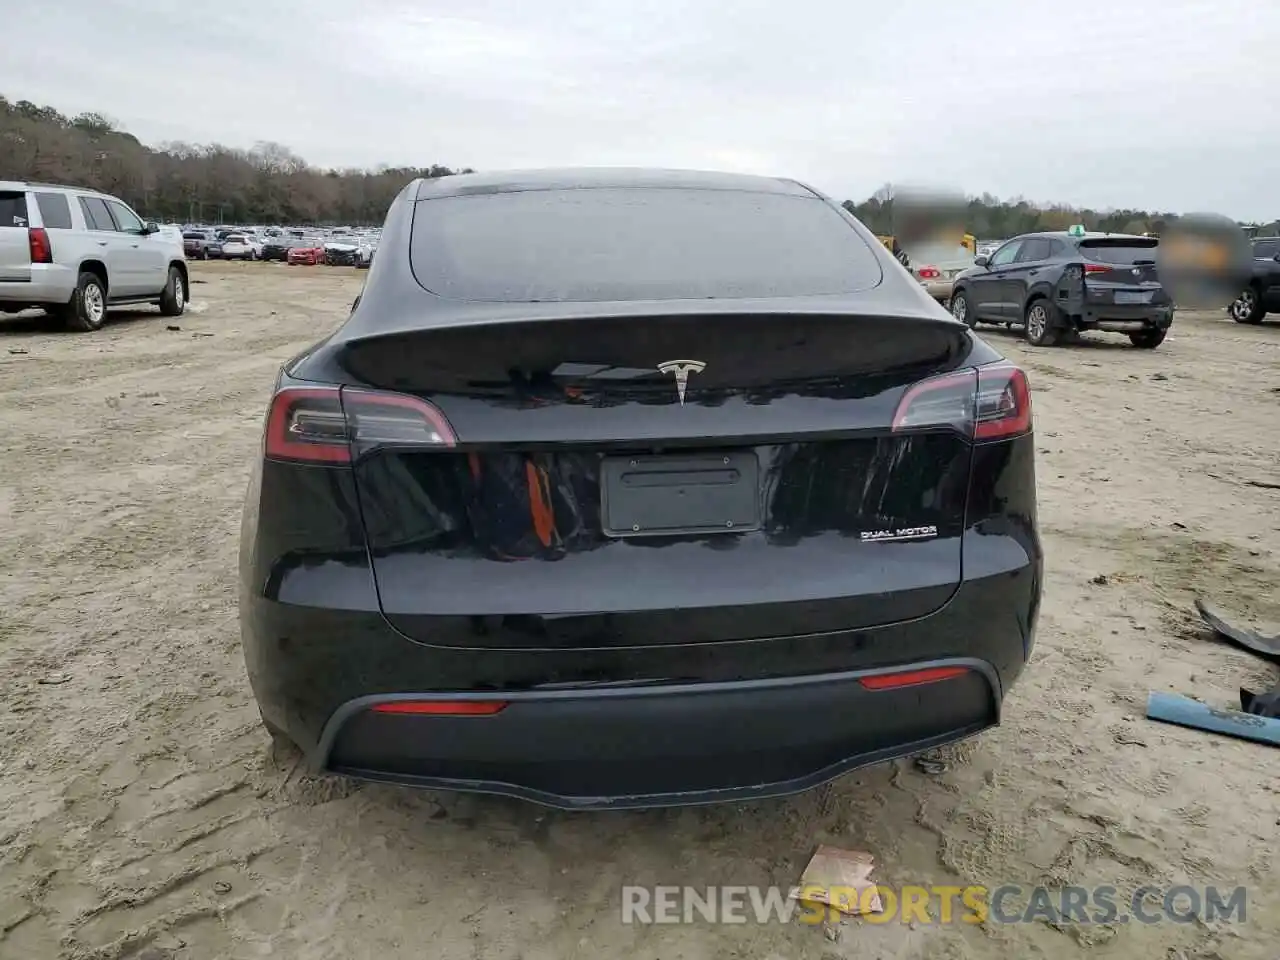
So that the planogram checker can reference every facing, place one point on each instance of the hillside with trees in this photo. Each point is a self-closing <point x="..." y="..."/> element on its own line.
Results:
<point x="271" y="184"/>
<point x="190" y="182"/>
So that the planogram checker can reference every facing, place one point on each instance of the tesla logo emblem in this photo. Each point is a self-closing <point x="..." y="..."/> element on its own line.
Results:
<point x="681" y="370"/>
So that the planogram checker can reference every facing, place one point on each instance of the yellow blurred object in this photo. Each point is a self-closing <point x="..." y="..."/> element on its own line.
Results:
<point x="1195" y="252"/>
<point x="968" y="241"/>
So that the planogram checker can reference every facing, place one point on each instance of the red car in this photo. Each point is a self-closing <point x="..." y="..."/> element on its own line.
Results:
<point x="309" y="253"/>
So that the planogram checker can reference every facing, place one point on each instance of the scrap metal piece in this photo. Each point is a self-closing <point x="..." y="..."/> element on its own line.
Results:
<point x="1262" y="704"/>
<point x="1250" y="640"/>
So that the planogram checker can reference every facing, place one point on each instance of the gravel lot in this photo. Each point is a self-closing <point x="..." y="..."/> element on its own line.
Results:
<point x="141" y="815"/>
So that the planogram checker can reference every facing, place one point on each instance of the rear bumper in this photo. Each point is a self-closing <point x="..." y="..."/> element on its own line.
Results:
<point x="662" y="746"/>
<point x="50" y="283"/>
<point x="940" y="290"/>
<point x="675" y="714"/>
<point x="1157" y="317"/>
<point x="596" y="728"/>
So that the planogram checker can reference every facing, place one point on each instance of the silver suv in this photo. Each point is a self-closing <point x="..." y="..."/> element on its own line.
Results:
<point x="75" y="252"/>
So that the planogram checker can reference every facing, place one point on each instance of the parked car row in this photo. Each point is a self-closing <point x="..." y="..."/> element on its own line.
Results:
<point x="339" y="247"/>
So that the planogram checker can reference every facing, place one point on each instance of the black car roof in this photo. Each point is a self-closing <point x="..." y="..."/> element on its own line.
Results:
<point x="511" y="181"/>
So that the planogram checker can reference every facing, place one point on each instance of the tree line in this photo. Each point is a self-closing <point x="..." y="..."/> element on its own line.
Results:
<point x="989" y="218"/>
<point x="183" y="182"/>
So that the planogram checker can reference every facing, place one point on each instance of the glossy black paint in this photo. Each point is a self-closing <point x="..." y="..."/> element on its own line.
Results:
<point x="438" y="560"/>
<point x="795" y="610"/>
<point x="643" y="745"/>
<point x="394" y="308"/>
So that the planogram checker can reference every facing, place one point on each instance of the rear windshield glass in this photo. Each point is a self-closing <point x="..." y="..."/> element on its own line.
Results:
<point x="1124" y="251"/>
<point x="1266" y="248"/>
<point x="636" y="244"/>
<point x="13" y="209"/>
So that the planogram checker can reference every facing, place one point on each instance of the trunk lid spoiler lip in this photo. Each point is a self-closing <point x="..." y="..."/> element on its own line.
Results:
<point x="325" y="361"/>
<point x="486" y="313"/>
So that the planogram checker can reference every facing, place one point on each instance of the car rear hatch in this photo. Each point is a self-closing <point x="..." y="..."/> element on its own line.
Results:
<point x="1121" y="272"/>
<point x="660" y="479"/>
<point x="15" y="238"/>
<point x="931" y="263"/>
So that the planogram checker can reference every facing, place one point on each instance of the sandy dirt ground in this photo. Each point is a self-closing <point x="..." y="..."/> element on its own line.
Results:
<point x="142" y="816"/>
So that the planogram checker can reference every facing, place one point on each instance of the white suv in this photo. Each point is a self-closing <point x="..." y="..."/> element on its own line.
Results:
<point x="75" y="252"/>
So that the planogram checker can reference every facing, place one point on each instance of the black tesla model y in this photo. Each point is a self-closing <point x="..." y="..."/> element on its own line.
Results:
<point x="635" y="488"/>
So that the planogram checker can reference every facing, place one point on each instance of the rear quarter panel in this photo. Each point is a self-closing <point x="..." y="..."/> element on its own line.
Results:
<point x="1046" y="283"/>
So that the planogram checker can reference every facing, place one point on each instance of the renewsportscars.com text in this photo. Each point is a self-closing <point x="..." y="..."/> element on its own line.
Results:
<point x="1010" y="903"/>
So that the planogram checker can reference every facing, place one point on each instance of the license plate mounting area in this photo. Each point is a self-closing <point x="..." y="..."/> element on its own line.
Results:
<point x="662" y="495"/>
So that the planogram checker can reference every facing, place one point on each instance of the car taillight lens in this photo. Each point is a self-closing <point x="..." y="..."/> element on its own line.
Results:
<point x="41" y="249"/>
<point x="929" y="273"/>
<point x="1004" y="402"/>
<point x="1092" y="268"/>
<point x="332" y="425"/>
<point x="441" y="708"/>
<point x="911" y="678"/>
<point x="987" y="403"/>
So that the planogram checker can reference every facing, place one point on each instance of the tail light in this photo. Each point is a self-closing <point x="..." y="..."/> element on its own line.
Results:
<point x="929" y="273"/>
<point x="987" y="403"/>
<point x="333" y="425"/>
<point x="38" y="241"/>
<point x="1091" y="268"/>
<point x="441" y="708"/>
<point x="911" y="678"/>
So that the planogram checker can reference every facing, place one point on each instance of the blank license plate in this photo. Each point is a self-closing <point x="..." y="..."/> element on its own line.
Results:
<point x="1132" y="296"/>
<point x="655" y="496"/>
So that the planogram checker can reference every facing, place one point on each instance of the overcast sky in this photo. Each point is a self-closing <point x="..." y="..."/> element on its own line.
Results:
<point x="1164" y="104"/>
